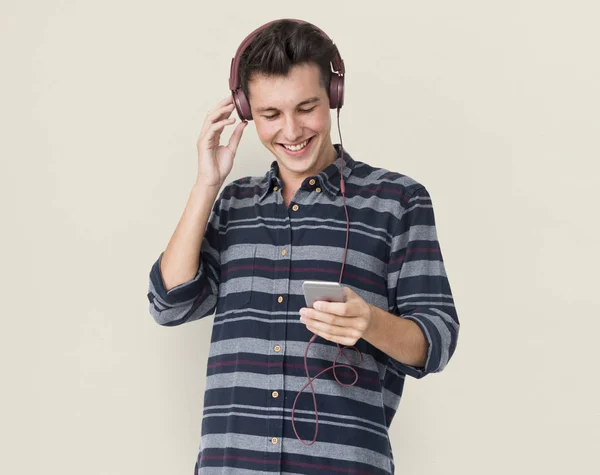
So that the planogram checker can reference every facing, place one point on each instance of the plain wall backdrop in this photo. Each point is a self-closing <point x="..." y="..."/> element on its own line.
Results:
<point x="493" y="106"/>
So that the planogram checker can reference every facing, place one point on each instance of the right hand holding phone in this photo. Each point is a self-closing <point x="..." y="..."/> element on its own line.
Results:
<point x="215" y="161"/>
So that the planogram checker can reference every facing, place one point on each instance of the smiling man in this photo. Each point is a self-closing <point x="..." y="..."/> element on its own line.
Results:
<point x="243" y="251"/>
<point x="293" y="122"/>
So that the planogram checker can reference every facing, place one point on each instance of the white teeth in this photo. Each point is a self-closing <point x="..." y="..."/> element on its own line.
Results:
<point x="296" y="147"/>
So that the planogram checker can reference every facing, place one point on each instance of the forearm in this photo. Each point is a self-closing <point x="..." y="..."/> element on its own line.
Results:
<point x="180" y="259"/>
<point x="397" y="337"/>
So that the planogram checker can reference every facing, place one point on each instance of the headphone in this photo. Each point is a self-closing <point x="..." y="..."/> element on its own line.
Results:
<point x="336" y="87"/>
<point x="336" y="101"/>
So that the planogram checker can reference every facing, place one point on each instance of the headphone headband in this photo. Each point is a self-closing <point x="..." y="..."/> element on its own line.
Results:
<point x="336" y="89"/>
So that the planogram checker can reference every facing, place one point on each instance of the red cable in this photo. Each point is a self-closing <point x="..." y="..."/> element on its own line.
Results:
<point x="340" y="350"/>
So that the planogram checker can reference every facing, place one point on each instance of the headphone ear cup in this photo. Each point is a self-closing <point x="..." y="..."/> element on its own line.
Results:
<point x="242" y="105"/>
<point x="336" y="91"/>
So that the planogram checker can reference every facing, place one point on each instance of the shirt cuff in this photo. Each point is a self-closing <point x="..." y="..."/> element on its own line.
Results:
<point x="179" y="294"/>
<point x="417" y="371"/>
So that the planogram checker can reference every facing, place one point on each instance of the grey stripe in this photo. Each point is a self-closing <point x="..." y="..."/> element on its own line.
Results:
<point x="422" y="232"/>
<point x="380" y="205"/>
<point x="263" y="284"/>
<point x="419" y="268"/>
<point x="410" y="296"/>
<point x="291" y="348"/>
<point x="179" y="312"/>
<point x="301" y="227"/>
<point x="269" y="222"/>
<point x="268" y="251"/>
<point x="390" y="399"/>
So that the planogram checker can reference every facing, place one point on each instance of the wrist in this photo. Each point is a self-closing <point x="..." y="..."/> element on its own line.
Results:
<point x="373" y="317"/>
<point x="204" y="187"/>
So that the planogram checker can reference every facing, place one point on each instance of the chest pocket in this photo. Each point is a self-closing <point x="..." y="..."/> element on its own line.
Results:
<point x="237" y="276"/>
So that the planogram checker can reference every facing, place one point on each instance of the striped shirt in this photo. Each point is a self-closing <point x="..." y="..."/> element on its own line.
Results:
<point x="255" y="254"/>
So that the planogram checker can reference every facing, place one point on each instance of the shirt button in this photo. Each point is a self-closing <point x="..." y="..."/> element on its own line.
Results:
<point x="295" y="207"/>
<point x="277" y="348"/>
<point x="275" y="188"/>
<point x="284" y="252"/>
<point x="275" y="394"/>
<point x="312" y="182"/>
<point x="318" y="190"/>
<point x="274" y="440"/>
<point x="280" y="299"/>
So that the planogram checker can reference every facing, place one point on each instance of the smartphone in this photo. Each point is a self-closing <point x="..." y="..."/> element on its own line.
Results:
<point x="322" y="290"/>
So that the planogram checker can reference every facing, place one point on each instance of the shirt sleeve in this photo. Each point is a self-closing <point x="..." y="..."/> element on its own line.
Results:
<point x="196" y="298"/>
<point x="418" y="286"/>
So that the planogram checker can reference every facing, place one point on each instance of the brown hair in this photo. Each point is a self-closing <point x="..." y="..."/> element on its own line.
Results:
<point x="284" y="44"/>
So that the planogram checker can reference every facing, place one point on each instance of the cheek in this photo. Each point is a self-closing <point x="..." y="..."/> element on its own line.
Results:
<point x="265" y="131"/>
<point x="320" y="122"/>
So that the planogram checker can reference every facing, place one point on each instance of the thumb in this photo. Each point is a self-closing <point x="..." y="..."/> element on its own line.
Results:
<point x="348" y="293"/>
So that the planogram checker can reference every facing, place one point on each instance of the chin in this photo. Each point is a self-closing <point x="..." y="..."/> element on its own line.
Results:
<point x="298" y="164"/>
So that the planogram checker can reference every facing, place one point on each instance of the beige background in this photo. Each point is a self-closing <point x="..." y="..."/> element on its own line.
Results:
<point x="493" y="106"/>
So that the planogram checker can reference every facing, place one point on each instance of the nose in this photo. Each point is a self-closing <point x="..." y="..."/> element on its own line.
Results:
<point x="292" y="129"/>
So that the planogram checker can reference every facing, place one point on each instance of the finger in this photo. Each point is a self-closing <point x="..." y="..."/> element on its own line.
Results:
<point x="226" y="100"/>
<point x="317" y="326"/>
<point x="337" y="308"/>
<point x="214" y="130"/>
<point x="220" y="125"/>
<point x="236" y="136"/>
<point x="222" y="103"/>
<point x="327" y="318"/>
<point x="219" y="114"/>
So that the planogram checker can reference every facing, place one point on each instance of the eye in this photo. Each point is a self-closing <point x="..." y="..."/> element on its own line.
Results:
<point x="305" y="111"/>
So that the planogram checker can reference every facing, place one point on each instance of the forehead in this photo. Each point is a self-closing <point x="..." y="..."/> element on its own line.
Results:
<point x="302" y="82"/>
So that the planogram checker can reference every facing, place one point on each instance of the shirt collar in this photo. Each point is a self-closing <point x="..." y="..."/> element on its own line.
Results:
<point x="329" y="177"/>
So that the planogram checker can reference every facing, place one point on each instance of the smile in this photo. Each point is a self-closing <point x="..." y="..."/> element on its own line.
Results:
<point x="297" y="148"/>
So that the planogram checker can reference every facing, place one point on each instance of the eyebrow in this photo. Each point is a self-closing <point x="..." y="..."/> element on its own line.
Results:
<point x="307" y="101"/>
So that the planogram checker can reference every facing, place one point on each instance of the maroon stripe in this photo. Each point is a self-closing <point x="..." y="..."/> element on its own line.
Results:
<point x="274" y="462"/>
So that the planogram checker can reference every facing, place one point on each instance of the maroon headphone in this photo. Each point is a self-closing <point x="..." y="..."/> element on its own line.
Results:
<point x="336" y="87"/>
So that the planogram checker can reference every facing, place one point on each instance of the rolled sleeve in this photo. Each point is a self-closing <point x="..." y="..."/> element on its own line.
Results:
<point x="197" y="297"/>
<point x="418" y="286"/>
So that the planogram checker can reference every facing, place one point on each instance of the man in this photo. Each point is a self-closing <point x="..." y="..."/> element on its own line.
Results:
<point x="244" y="253"/>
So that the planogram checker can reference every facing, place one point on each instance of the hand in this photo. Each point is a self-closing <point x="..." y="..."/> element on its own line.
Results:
<point x="341" y="322"/>
<point x="215" y="161"/>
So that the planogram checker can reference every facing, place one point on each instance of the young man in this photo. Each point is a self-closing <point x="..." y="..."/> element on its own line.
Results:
<point x="245" y="252"/>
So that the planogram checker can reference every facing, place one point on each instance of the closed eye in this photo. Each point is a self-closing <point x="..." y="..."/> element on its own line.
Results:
<point x="271" y="117"/>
